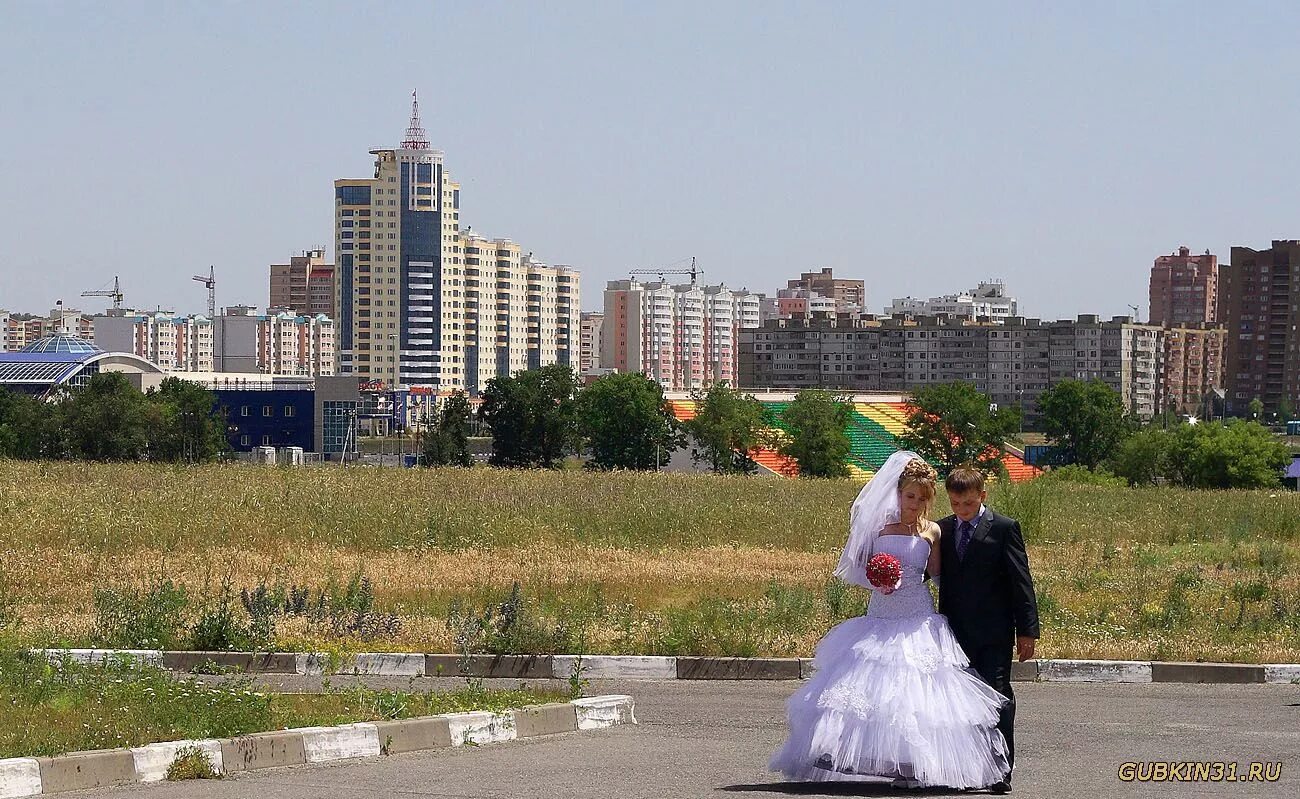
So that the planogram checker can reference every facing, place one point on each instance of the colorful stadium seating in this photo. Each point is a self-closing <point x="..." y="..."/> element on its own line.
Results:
<point x="873" y="432"/>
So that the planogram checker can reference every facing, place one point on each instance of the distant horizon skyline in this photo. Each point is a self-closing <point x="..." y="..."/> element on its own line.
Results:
<point x="876" y="309"/>
<point x="920" y="148"/>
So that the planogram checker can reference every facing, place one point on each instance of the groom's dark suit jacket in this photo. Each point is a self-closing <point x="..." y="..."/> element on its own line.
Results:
<point x="988" y="596"/>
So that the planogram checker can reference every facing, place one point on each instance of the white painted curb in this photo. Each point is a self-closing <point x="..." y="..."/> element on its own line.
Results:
<point x="389" y="664"/>
<point x="323" y="744"/>
<point x="1125" y="671"/>
<point x="480" y="727"/>
<point x="311" y="664"/>
<point x="19" y="776"/>
<point x="628" y="667"/>
<point x="632" y="667"/>
<point x="1282" y="673"/>
<point x="599" y="712"/>
<point x="375" y="664"/>
<point x="152" y="761"/>
<point x="93" y="657"/>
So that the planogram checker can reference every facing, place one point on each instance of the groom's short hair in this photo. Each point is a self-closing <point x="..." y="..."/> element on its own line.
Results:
<point x="963" y="480"/>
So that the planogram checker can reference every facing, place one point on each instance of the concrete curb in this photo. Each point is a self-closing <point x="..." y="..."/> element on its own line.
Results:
<point x="1282" y="673"/>
<point x="1094" y="671"/>
<point x="635" y="667"/>
<point x="654" y="667"/>
<point x="19" y="776"/>
<point x="1207" y="672"/>
<point x="26" y="776"/>
<point x="94" y="657"/>
<point x="693" y="668"/>
<point x="599" y="712"/>
<point x="153" y="760"/>
<point x="526" y="667"/>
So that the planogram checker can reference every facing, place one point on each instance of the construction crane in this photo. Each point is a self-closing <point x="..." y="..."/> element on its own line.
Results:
<point x="211" y="283"/>
<point x="115" y="293"/>
<point x="693" y="272"/>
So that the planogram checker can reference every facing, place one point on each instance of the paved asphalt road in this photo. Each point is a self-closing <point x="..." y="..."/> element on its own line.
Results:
<point x="712" y="739"/>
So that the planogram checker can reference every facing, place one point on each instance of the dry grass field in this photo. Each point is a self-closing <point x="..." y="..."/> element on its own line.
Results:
<point x="647" y="563"/>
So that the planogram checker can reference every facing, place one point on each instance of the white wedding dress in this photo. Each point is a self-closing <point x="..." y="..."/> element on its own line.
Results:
<point x="893" y="695"/>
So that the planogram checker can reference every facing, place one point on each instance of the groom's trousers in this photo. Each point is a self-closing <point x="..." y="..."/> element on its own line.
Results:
<point x="993" y="663"/>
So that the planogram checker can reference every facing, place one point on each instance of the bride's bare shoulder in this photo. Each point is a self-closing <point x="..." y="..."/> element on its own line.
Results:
<point x="934" y="532"/>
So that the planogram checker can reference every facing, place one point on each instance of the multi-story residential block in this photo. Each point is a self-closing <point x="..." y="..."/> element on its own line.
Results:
<point x="21" y="329"/>
<point x="801" y="302"/>
<point x="988" y="300"/>
<point x="590" y="342"/>
<point x="1125" y="355"/>
<point x="1011" y="362"/>
<point x="1193" y="368"/>
<point x="1259" y="304"/>
<point x="519" y="313"/>
<point x="848" y="295"/>
<point x="684" y="336"/>
<point x="273" y="344"/>
<point x="305" y="285"/>
<point x="1184" y="289"/>
<point x="830" y="351"/>
<point x="175" y="343"/>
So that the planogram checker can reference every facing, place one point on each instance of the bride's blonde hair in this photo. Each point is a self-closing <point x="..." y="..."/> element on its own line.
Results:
<point x="921" y="474"/>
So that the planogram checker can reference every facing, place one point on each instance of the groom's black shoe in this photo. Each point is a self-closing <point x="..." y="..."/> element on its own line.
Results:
<point x="1000" y="787"/>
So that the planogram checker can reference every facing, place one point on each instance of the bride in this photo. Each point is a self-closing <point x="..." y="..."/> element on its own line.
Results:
<point x="893" y="695"/>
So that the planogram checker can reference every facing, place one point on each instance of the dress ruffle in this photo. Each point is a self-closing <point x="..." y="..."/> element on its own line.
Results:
<point x="894" y="697"/>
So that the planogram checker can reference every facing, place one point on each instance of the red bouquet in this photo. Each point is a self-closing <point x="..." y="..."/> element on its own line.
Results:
<point x="884" y="571"/>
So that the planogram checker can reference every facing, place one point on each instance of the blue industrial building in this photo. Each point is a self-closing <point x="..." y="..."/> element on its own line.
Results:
<point x="279" y="417"/>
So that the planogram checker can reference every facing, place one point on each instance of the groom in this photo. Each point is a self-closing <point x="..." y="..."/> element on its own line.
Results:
<point x="986" y="591"/>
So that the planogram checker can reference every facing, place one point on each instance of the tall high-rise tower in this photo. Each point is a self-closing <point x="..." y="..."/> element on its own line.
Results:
<point x="398" y="275"/>
<point x="1184" y="288"/>
<point x="1259" y="298"/>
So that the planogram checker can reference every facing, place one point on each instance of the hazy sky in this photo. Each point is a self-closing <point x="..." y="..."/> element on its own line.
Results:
<point x="920" y="146"/>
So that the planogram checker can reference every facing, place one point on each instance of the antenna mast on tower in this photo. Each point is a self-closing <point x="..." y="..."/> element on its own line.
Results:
<point x="416" y="138"/>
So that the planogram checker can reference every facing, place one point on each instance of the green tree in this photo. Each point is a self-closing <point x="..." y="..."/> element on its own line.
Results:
<point x="1143" y="456"/>
<point x="1085" y="421"/>
<point x="953" y="423"/>
<point x="532" y="416"/>
<point x="624" y="423"/>
<point x="107" y="420"/>
<point x="1285" y="409"/>
<point x="817" y="442"/>
<point x="447" y="444"/>
<point x="1235" y="454"/>
<point x="1256" y="408"/>
<point x="727" y="426"/>
<point x="188" y="427"/>
<point x="30" y="429"/>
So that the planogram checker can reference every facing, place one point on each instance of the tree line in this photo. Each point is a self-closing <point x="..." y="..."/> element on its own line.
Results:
<point x="108" y="419"/>
<point x="540" y="417"/>
<point x="1093" y="437"/>
<point x="622" y="421"/>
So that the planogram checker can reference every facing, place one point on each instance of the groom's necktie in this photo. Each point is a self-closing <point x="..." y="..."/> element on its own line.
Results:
<point x="963" y="539"/>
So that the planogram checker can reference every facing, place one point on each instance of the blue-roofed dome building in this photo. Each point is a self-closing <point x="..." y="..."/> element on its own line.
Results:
<point x="56" y="362"/>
